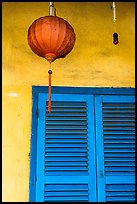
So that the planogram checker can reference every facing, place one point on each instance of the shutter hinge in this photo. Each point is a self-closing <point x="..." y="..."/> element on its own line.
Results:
<point x="101" y="174"/>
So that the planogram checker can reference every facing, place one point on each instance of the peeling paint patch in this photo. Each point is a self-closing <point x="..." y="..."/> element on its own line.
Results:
<point x="12" y="94"/>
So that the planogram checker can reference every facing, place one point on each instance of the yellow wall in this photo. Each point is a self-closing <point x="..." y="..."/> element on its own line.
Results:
<point x="94" y="61"/>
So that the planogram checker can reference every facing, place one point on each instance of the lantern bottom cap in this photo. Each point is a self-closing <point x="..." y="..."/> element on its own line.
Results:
<point x="50" y="57"/>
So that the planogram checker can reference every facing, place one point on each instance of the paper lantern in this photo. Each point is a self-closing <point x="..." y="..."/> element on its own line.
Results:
<point x="51" y="37"/>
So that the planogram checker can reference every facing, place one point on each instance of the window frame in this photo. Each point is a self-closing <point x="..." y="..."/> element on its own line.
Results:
<point x="36" y="90"/>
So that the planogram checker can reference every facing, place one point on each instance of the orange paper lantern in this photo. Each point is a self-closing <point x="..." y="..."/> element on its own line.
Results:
<point x="51" y="37"/>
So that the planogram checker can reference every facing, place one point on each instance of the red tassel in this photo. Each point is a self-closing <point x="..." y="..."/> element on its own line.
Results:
<point x="49" y="96"/>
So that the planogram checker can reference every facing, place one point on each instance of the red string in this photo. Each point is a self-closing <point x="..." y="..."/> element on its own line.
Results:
<point x="49" y="95"/>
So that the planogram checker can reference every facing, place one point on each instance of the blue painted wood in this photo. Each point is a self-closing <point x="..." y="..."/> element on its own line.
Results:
<point x="108" y="95"/>
<point x="68" y="97"/>
<point x="40" y="148"/>
<point x="66" y="192"/>
<point x="33" y="150"/>
<point x="91" y="149"/>
<point x="101" y="190"/>
<point x="120" y="179"/>
<point x="67" y="179"/>
<point x="118" y="99"/>
<point x="90" y="177"/>
<point x="85" y="90"/>
<point x="119" y="173"/>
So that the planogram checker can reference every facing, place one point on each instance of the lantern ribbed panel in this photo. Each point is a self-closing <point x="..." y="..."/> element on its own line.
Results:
<point x="51" y="37"/>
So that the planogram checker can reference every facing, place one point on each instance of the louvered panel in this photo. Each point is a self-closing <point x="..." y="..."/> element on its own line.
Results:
<point x="66" y="151"/>
<point x="119" y="138"/>
<point x="66" y="192"/>
<point x="120" y="192"/>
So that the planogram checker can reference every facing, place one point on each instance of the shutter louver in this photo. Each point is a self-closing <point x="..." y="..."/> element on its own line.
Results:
<point x="66" y="139"/>
<point x="119" y="192"/>
<point x="119" y="149"/>
<point x="66" y="192"/>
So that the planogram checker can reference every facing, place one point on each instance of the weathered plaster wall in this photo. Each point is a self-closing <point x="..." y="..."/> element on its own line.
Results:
<point x="94" y="61"/>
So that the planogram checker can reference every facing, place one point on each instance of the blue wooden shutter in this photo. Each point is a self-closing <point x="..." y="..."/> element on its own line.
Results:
<point x="115" y="136"/>
<point x="66" y="169"/>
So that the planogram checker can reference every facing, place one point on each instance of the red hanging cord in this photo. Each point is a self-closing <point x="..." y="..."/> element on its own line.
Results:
<point x="49" y="95"/>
